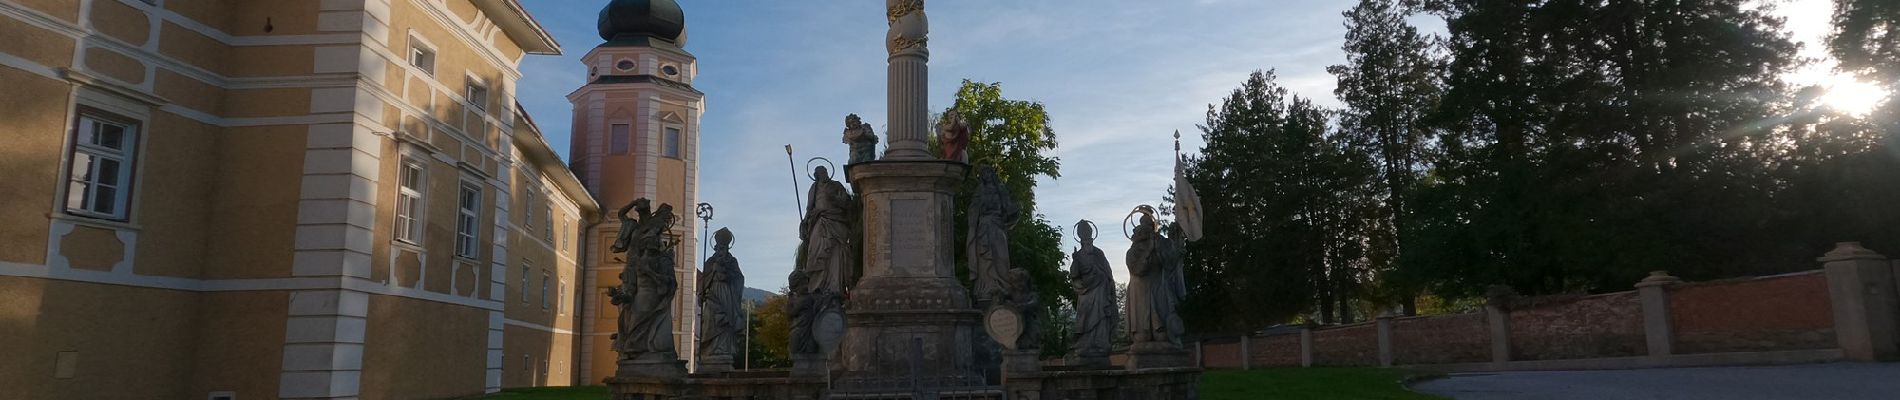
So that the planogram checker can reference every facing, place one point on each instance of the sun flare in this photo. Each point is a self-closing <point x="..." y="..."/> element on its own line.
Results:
<point x="1851" y="96"/>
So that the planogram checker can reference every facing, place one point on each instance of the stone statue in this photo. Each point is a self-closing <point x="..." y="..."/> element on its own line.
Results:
<point x="827" y="234"/>
<point x="1095" y="308"/>
<point x="825" y="260"/>
<point x="862" y="139"/>
<point x="1155" y="286"/>
<point x="647" y="283"/>
<point x="991" y="214"/>
<point x="722" y="320"/>
<point x="953" y="136"/>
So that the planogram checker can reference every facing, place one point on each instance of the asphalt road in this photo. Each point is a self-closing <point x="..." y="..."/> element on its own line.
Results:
<point x="1840" y="381"/>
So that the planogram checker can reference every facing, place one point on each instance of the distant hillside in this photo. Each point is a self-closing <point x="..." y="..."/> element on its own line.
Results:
<point x="757" y="295"/>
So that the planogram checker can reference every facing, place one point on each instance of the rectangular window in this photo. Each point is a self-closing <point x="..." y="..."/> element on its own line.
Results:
<point x="672" y="144"/>
<point x="477" y="95"/>
<point x="525" y="280"/>
<point x="527" y="219"/>
<point x="409" y="201"/>
<point x="466" y="233"/>
<point x="621" y="137"/>
<point x="421" y="56"/>
<point x="544" y="291"/>
<point x="561" y="297"/>
<point x="548" y="219"/>
<point x="100" y="176"/>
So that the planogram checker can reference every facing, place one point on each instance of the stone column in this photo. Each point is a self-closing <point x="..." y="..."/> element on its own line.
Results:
<point x="1500" y="321"/>
<point x="1246" y="352"/>
<point x="1659" y="329"/>
<point x="1861" y="284"/>
<point x="1306" y="347"/>
<point x="1385" y="339"/>
<point x="908" y="91"/>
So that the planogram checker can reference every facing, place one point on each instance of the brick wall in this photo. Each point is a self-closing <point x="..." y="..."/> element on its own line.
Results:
<point x="1347" y="346"/>
<point x="1281" y="350"/>
<point x="1783" y="317"/>
<point x="1606" y="325"/>
<point x="1441" y="339"/>
<point x="1221" y="353"/>
<point x="1788" y="312"/>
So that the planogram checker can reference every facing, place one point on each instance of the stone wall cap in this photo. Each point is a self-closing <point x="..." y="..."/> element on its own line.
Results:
<point x="1846" y="251"/>
<point x="1658" y="278"/>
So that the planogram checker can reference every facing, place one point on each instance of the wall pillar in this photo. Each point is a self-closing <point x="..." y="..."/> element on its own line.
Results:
<point x="1246" y="352"/>
<point x="1861" y="284"/>
<point x="1658" y="326"/>
<point x="1306" y="347"/>
<point x="1385" y="339"/>
<point x="1500" y="322"/>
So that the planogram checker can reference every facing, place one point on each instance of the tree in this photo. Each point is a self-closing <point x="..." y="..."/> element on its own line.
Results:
<point x="1388" y="84"/>
<point x="772" y="332"/>
<point x="1576" y="127"/>
<point x="1271" y="189"/>
<point x="1014" y="137"/>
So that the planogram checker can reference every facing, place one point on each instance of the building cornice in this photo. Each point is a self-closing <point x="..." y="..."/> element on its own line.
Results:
<point x="527" y="139"/>
<point x="520" y="26"/>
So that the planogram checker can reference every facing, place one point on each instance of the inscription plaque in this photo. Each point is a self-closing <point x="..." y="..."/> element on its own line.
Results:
<point x="909" y="236"/>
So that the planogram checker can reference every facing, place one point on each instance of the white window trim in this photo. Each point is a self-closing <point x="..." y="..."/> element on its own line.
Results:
<point x="409" y="57"/>
<point x="612" y="136"/>
<point x="415" y="196"/>
<point x="472" y="82"/>
<point x="472" y="218"/>
<point x="127" y="156"/>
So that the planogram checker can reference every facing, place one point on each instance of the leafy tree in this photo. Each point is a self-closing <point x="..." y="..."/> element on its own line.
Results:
<point x="1014" y="137"/>
<point x="772" y="332"/>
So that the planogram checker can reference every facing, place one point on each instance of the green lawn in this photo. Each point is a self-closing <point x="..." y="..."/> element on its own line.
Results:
<point x="1260" y="384"/>
<point x="1309" y="383"/>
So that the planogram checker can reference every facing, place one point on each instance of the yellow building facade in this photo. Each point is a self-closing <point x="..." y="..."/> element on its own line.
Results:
<point x="299" y="199"/>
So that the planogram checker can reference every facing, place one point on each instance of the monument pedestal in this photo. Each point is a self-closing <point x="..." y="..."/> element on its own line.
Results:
<point x="652" y="366"/>
<point x="909" y="322"/>
<point x="713" y="364"/>
<point x="1088" y="361"/>
<point x="809" y="365"/>
<point x="1148" y="355"/>
<point x="1022" y="362"/>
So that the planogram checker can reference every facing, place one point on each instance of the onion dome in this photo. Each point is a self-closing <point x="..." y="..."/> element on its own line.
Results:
<point x="638" y="20"/>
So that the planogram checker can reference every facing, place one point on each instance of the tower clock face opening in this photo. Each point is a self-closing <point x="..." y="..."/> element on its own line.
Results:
<point x="625" y="65"/>
<point x="670" y="70"/>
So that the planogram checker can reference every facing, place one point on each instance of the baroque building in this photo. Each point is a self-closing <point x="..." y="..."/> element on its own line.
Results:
<point x="239" y="199"/>
<point x="636" y="135"/>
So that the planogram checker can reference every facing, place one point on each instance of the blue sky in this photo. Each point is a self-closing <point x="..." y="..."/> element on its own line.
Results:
<point x="1118" y="78"/>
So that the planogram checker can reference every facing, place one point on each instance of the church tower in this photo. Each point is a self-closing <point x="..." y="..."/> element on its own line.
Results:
<point x="636" y="135"/>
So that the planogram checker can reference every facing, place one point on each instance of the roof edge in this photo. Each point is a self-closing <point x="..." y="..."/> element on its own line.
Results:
<point x="535" y="147"/>
<point x="520" y="26"/>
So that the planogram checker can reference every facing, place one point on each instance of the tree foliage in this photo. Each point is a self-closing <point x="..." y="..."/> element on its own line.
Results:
<point x="771" y="332"/>
<point x="1548" y="146"/>
<point x="1014" y="137"/>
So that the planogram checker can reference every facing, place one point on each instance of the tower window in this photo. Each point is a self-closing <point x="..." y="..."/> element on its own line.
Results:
<point x="625" y="65"/>
<point x="672" y="144"/>
<point x="670" y="70"/>
<point x="622" y="137"/>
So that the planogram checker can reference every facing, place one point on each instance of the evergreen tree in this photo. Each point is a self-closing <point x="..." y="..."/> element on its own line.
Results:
<point x="1388" y="84"/>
